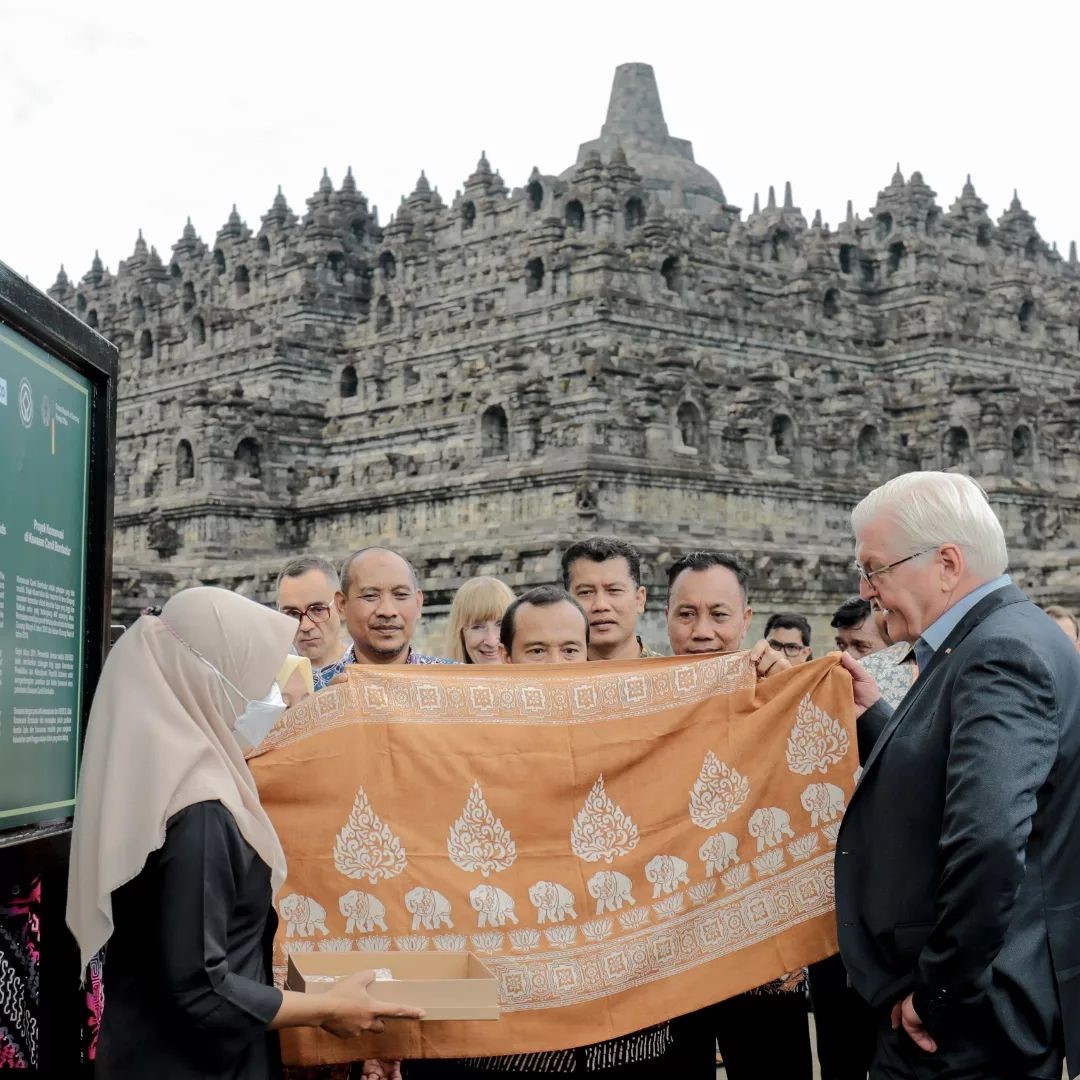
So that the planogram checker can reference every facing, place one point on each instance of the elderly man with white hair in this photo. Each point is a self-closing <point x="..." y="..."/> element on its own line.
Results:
<point x="958" y="861"/>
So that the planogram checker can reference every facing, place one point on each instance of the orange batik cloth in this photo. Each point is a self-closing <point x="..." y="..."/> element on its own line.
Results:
<point x="620" y="843"/>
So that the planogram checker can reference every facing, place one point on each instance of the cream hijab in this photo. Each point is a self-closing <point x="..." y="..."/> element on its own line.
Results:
<point x="160" y="739"/>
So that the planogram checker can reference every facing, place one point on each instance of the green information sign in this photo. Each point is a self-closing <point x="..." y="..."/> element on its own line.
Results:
<point x="44" y="477"/>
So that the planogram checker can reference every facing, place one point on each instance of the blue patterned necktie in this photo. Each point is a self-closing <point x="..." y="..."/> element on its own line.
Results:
<point x="924" y="653"/>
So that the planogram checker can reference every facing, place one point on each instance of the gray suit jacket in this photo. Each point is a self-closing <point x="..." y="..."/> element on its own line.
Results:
<point x="958" y="860"/>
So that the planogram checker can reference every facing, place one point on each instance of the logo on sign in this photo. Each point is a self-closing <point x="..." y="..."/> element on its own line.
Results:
<point x="26" y="402"/>
<point x="3" y="391"/>
<point x="46" y="410"/>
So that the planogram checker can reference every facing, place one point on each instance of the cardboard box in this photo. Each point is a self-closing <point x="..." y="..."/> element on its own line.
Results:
<point x="447" y="986"/>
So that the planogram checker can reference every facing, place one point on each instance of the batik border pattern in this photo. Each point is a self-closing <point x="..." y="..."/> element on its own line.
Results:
<point x="725" y="926"/>
<point x="636" y="958"/>
<point x="382" y="696"/>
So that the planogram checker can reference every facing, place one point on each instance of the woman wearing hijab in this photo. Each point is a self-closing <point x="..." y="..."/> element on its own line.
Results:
<point x="174" y="862"/>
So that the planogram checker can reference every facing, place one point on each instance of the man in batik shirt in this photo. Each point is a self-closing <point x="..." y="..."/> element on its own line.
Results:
<point x="380" y="600"/>
<point x="860" y="632"/>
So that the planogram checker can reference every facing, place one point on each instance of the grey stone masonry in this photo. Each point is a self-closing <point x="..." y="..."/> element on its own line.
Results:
<point x="486" y="377"/>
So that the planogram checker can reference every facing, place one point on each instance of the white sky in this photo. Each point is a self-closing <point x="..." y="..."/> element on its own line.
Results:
<point x="117" y="115"/>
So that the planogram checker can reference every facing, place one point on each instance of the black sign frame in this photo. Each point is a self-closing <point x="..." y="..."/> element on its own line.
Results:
<point x="43" y="849"/>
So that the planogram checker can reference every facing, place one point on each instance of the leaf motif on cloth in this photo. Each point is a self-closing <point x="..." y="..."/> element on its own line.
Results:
<point x="736" y="877"/>
<point x="366" y="847"/>
<point x="373" y="944"/>
<point x="298" y="946"/>
<point x="718" y="793"/>
<point x="488" y="943"/>
<point x="702" y="891"/>
<point x="524" y="940"/>
<point x="559" y="936"/>
<point x="597" y="929"/>
<point x="804" y="847"/>
<point x="634" y="919"/>
<point x="817" y="740"/>
<point x="335" y="944"/>
<point x="449" y="942"/>
<point x="478" y="840"/>
<point x="665" y="909"/>
<point x="601" y="829"/>
<point x="769" y="862"/>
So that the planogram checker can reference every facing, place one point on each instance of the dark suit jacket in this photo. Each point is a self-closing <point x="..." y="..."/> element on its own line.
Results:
<point x="958" y="860"/>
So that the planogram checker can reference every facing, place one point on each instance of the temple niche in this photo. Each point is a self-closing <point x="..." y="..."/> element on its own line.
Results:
<point x="611" y="346"/>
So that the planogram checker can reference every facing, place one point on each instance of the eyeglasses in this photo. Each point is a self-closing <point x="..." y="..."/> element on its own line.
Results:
<point x="866" y="575"/>
<point x="788" y="648"/>
<point x="317" y="613"/>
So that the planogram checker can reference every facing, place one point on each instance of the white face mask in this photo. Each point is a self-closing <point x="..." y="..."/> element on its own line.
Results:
<point x="258" y="717"/>
<point x="255" y="722"/>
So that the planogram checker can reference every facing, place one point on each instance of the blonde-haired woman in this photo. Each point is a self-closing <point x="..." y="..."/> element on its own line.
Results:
<point x="475" y="617"/>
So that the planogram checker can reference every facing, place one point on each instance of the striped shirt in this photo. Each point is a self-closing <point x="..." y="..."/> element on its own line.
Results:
<point x="647" y="1045"/>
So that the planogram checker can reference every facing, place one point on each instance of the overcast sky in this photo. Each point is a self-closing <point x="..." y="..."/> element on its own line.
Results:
<point x="120" y="115"/>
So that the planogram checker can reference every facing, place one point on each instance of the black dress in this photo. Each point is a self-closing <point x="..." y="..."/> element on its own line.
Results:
<point x="187" y="970"/>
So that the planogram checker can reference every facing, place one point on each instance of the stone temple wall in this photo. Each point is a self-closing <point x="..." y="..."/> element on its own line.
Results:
<point x="482" y="380"/>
